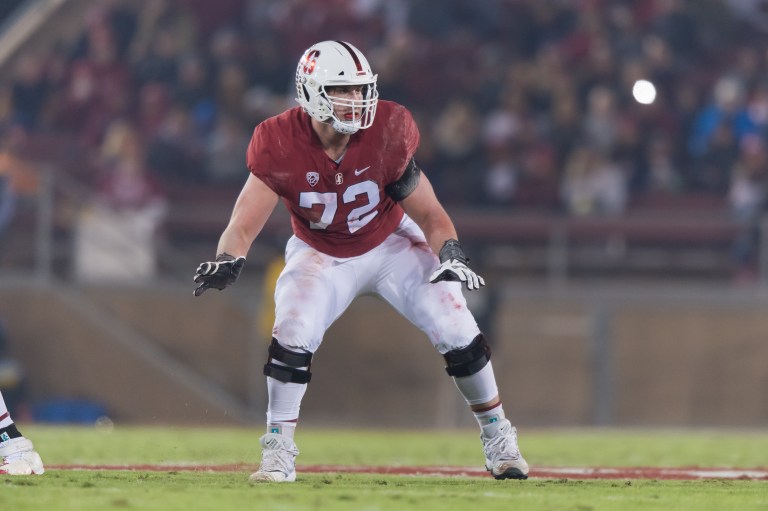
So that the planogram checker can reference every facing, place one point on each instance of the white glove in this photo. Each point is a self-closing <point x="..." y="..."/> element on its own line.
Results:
<point x="454" y="270"/>
<point x="453" y="267"/>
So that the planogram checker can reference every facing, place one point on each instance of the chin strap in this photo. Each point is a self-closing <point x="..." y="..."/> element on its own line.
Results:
<point x="345" y="128"/>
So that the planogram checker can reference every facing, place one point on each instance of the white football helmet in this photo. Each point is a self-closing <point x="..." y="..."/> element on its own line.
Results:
<point x="336" y="63"/>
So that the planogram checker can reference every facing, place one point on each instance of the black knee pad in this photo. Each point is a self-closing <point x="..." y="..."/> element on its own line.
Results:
<point x="468" y="360"/>
<point x="293" y="360"/>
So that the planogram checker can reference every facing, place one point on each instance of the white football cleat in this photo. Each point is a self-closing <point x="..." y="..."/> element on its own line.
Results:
<point x="502" y="456"/>
<point x="19" y="458"/>
<point x="278" y="457"/>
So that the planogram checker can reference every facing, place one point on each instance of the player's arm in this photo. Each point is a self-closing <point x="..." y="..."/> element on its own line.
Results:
<point x="252" y="209"/>
<point x="416" y="196"/>
<point x="424" y="208"/>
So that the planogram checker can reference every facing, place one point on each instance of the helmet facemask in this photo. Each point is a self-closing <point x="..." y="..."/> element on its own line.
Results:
<point x="362" y="110"/>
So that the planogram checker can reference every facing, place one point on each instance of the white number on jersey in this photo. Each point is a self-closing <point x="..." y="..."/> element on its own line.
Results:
<point x="308" y="199"/>
<point x="357" y="218"/>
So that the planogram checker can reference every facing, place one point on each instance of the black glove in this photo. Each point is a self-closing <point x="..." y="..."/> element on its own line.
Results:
<point x="218" y="274"/>
<point x="453" y="267"/>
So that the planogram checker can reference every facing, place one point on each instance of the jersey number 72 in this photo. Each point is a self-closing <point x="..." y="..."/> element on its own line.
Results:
<point x="357" y="219"/>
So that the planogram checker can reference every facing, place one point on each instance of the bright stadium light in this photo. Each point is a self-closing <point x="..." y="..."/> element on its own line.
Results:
<point x="644" y="92"/>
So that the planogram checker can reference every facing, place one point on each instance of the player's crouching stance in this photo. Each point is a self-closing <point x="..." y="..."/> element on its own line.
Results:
<point x="17" y="454"/>
<point x="365" y="220"/>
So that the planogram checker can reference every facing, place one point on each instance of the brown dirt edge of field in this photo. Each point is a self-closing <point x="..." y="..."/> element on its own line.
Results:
<point x="678" y="473"/>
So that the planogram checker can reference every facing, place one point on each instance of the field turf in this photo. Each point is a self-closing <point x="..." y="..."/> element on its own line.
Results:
<point x="207" y="468"/>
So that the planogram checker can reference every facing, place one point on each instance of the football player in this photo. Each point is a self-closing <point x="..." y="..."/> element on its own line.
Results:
<point x="365" y="220"/>
<point x="17" y="454"/>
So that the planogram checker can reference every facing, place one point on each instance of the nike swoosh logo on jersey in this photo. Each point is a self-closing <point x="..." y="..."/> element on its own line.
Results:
<point x="358" y="172"/>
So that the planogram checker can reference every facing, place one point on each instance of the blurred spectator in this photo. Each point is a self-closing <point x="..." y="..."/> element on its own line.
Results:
<point x="726" y="113"/>
<point x="757" y="108"/>
<point x="675" y="24"/>
<point x="7" y="202"/>
<point x="539" y="181"/>
<point x="457" y="130"/>
<point x="750" y="11"/>
<point x="629" y="153"/>
<point x="593" y="184"/>
<point x="231" y="86"/>
<point x="663" y="173"/>
<point x="501" y="178"/>
<point x="712" y="169"/>
<point x="565" y="126"/>
<point x="168" y="17"/>
<point x="29" y="91"/>
<point x="259" y="103"/>
<point x="160" y="62"/>
<point x="193" y="91"/>
<point x="18" y="177"/>
<point x="154" y="105"/>
<point x="747" y="199"/>
<point x="225" y="152"/>
<point x="176" y="148"/>
<point x="116" y="232"/>
<point x="125" y="182"/>
<point x="600" y="124"/>
<point x="456" y="133"/>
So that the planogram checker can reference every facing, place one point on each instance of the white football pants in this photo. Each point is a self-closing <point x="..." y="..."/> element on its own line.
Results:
<point x="314" y="289"/>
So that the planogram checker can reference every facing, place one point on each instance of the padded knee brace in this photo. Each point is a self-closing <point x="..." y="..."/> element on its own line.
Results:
<point x="468" y="360"/>
<point x="293" y="360"/>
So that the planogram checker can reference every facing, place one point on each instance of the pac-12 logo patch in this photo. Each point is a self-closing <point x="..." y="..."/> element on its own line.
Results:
<point x="313" y="178"/>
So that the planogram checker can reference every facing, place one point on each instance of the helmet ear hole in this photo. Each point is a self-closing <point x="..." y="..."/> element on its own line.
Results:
<point x="306" y="92"/>
<point x="324" y="105"/>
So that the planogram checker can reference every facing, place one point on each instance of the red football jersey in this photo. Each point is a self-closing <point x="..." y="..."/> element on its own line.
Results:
<point x="339" y="209"/>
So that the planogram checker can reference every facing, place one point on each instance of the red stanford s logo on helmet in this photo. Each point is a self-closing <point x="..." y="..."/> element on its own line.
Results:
<point x="310" y="61"/>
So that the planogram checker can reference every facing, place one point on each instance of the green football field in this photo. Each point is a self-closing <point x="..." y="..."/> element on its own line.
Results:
<point x="160" y="468"/>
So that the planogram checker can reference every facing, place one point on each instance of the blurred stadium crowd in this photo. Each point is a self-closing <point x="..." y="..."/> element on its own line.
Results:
<point x="522" y="104"/>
